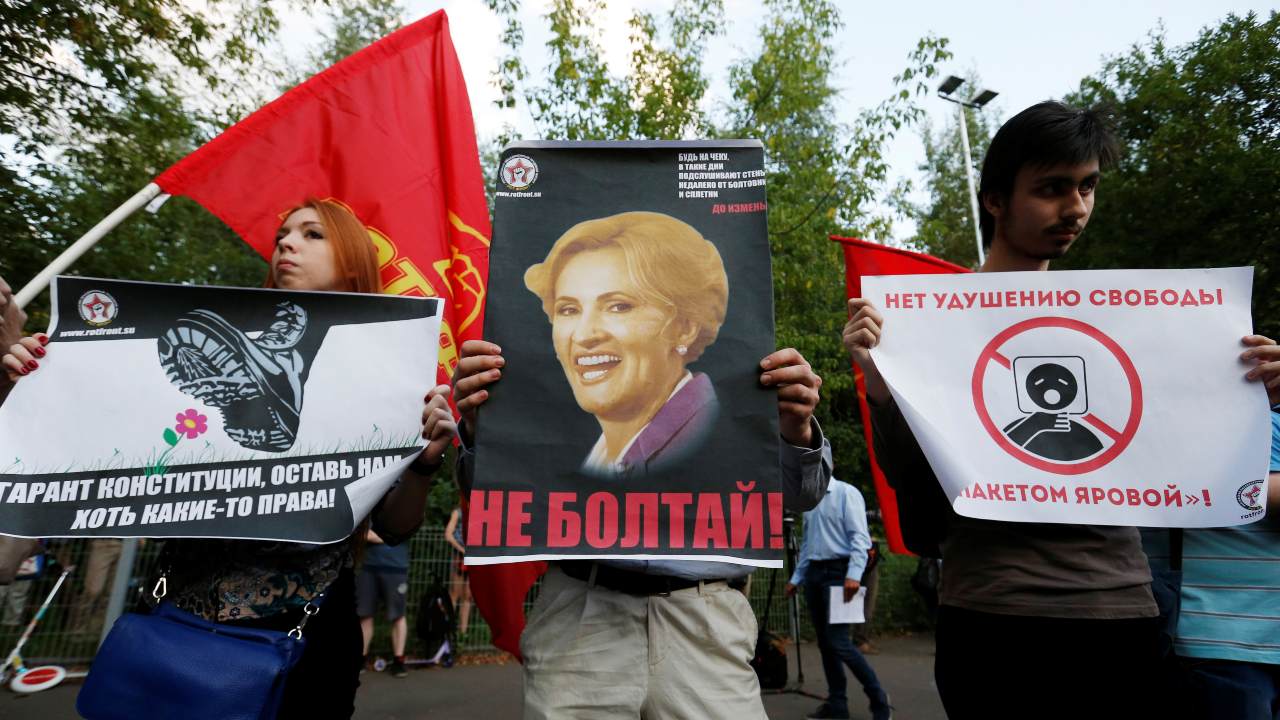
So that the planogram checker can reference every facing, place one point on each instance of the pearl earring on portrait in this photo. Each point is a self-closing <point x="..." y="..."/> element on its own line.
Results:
<point x="682" y="349"/>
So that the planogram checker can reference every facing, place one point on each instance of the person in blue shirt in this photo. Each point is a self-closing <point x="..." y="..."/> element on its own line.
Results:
<point x="1229" y="625"/>
<point x="834" y="554"/>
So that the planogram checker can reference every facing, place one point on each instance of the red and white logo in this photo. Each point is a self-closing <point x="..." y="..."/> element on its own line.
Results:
<point x="519" y="172"/>
<point x="1250" y="495"/>
<point x="98" y="308"/>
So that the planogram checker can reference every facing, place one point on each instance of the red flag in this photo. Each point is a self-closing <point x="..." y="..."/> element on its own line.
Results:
<point x="387" y="132"/>
<point x="867" y="258"/>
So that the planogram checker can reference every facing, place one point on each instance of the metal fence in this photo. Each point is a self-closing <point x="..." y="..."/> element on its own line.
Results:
<point x="70" y="631"/>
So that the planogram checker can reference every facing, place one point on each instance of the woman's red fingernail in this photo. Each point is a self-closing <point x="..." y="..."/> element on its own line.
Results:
<point x="44" y="339"/>
<point x="22" y="371"/>
<point x="32" y="364"/>
<point x="40" y="352"/>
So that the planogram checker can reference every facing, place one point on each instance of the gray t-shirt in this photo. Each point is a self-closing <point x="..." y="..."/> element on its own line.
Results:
<point x="1034" y="569"/>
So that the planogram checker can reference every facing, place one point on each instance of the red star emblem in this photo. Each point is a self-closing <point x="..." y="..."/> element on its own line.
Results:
<point x="95" y="301"/>
<point x="513" y="167"/>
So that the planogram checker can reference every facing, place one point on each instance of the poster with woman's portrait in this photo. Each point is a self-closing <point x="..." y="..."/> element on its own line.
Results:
<point x="631" y="294"/>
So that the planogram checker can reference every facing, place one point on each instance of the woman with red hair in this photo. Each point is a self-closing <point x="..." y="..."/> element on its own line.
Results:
<point x="320" y="246"/>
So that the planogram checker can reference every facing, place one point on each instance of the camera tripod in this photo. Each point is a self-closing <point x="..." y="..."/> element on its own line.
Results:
<point x="791" y="552"/>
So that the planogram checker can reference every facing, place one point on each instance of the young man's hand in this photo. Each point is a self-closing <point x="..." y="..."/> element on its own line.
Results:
<point x="790" y="589"/>
<point x="798" y="396"/>
<point x="1263" y="356"/>
<point x="861" y="333"/>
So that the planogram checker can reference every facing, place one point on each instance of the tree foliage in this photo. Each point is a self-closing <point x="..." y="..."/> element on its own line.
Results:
<point x="1197" y="186"/>
<point x="659" y="96"/>
<point x="65" y="65"/>
<point x="87" y="147"/>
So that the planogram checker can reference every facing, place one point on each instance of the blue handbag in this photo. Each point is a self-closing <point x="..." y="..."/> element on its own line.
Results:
<point x="173" y="664"/>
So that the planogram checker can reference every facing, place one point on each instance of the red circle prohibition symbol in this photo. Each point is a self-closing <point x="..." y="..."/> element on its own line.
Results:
<point x="1122" y="439"/>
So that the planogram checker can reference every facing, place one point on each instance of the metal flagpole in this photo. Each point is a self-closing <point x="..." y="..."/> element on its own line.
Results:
<point x="86" y="241"/>
<point x="968" y="174"/>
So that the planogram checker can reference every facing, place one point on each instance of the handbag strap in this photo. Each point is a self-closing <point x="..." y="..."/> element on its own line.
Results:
<point x="311" y="608"/>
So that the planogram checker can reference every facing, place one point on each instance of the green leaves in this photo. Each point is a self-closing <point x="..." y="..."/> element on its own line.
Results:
<point x="580" y="99"/>
<point x="1200" y="172"/>
<point x="170" y="437"/>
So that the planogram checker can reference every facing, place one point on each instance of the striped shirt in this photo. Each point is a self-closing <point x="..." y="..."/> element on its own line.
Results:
<point x="1231" y="587"/>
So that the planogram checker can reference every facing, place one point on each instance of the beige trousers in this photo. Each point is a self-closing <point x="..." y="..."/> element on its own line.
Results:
<point x="595" y="653"/>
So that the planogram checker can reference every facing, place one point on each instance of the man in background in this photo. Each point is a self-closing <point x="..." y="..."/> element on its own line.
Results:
<point x="384" y="576"/>
<point x="834" y="555"/>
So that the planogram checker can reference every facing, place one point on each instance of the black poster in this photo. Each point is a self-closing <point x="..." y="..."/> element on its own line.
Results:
<point x="181" y="411"/>
<point x="631" y="293"/>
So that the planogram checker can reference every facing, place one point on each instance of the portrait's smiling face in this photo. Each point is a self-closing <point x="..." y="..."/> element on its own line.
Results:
<point x="611" y="342"/>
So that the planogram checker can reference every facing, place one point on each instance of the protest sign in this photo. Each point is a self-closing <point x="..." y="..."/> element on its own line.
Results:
<point x="179" y="411"/>
<point x="1102" y="397"/>
<point x="631" y="293"/>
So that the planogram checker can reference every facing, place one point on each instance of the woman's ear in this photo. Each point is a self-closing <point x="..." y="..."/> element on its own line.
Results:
<point x="683" y="332"/>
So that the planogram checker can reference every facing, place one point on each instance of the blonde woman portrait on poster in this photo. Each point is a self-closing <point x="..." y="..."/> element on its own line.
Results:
<point x="633" y="299"/>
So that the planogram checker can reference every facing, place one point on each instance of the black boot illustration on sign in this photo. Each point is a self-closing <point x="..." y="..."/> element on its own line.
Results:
<point x="256" y="382"/>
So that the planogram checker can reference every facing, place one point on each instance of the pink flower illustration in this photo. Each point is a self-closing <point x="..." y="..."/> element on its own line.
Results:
<point x="191" y="423"/>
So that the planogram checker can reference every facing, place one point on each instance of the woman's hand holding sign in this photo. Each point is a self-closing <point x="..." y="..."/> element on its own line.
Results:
<point x="1264" y="355"/>
<point x="861" y="333"/>
<point x="438" y="427"/>
<point x="22" y="356"/>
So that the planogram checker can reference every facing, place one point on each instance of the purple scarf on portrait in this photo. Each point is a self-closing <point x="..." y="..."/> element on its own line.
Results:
<point x="677" y="429"/>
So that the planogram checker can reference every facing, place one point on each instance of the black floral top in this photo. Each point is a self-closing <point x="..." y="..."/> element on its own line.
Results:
<point x="222" y="580"/>
<point x="225" y="580"/>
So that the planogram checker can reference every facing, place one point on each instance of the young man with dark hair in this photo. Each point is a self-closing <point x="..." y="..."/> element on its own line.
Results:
<point x="1036" y="620"/>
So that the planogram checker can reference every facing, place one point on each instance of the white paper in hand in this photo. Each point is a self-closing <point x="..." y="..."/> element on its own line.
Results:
<point x="844" y="613"/>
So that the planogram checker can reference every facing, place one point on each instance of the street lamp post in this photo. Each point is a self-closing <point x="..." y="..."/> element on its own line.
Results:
<point x="945" y="91"/>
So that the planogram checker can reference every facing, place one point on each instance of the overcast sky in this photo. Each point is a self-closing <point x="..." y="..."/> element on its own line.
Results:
<point x="1027" y="51"/>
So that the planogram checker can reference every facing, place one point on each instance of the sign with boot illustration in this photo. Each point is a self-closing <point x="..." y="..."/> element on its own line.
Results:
<point x="180" y="411"/>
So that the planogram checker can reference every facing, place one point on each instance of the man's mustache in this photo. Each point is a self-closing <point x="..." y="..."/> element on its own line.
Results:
<point x="1075" y="228"/>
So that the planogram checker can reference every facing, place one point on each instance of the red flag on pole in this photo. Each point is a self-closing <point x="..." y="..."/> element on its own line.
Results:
<point x="867" y="258"/>
<point x="387" y="132"/>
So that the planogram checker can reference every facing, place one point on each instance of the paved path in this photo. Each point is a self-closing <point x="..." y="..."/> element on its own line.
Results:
<point x="492" y="692"/>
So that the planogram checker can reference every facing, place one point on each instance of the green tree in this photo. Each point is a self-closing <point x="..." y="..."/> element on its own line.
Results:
<point x="824" y="179"/>
<point x="66" y="64"/>
<point x="944" y="221"/>
<point x="1198" y="182"/>
<point x="91" y="109"/>
<point x="580" y="99"/>
<point x="354" y="24"/>
<point x="125" y="151"/>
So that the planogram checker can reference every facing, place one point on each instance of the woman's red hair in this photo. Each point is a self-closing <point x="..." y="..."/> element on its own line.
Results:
<point x="354" y="258"/>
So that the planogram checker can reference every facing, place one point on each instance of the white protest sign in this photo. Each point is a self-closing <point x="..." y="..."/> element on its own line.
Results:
<point x="1110" y="397"/>
<point x="182" y="411"/>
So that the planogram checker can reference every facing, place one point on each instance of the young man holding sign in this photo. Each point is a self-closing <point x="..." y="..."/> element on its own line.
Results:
<point x="1035" y="619"/>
